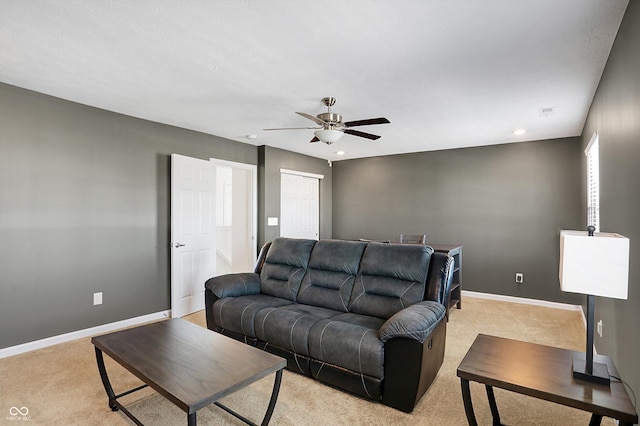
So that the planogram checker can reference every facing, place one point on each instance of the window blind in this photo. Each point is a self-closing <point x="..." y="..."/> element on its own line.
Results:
<point x="593" y="182"/>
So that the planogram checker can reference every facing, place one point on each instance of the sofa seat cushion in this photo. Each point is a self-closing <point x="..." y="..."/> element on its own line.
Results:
<point x="391" y="278"/>
<point x="361" y="320"/>
<point x="288" y="326"/>
<point x="238" y="314"/>
<point x="349" y="345"/>
<point x="331" y="273"/>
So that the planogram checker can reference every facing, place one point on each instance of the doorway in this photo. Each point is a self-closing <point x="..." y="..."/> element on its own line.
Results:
<point x="213" y="225"/>
<point x="236" y="216"/>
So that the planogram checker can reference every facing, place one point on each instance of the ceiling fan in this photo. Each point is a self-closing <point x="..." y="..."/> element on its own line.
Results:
<point x="333" y="128"/>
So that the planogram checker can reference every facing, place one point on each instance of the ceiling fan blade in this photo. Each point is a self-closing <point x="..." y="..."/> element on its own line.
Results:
<point x="313" y="118"/>
<point x="295" y="128"/>
<point x="368" y="122"/>
<point x="361" y="134"/>
<point x="315" y="139"/>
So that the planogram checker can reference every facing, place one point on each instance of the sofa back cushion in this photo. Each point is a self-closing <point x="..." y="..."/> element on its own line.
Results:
<point x="284" y="267"/>
<point x="391" y="277"/>
<point x="331" y="273"/>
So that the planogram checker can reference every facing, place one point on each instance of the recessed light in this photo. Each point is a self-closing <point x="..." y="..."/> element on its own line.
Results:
<point x="252" y="137"/>
<point x="519" y="132"/>
<point x="340" y="152"/>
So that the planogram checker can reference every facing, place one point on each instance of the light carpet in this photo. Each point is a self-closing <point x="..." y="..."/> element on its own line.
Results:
<point x="60" y="385"/>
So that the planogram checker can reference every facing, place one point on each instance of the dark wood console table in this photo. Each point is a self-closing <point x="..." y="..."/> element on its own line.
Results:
<point x="543" y="372"/>
<point x="455" y="292"/>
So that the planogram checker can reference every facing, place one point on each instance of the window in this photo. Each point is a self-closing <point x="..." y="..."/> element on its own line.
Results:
<point x="593" y="182"/>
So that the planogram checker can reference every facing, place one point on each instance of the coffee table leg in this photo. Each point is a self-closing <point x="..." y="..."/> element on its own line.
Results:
<point x="274" y="398"/>
<point x="191" y="419"/>
<point x="596" y="419"/>
<point x="105" y="380"/>
<point x="492" y="404"/>
<point x="468" y="406"/>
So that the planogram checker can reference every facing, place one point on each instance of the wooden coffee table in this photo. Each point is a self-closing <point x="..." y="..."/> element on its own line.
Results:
<point x="543" y="372"/>
<point x="189" y="365"/>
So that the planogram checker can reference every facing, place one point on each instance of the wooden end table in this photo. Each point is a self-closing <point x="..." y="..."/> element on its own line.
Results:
<point x="189" y="365"/>
<point x="543" y="372"/>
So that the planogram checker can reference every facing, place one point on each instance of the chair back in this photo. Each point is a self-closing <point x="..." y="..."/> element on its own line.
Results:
<point x="413" y="239"/>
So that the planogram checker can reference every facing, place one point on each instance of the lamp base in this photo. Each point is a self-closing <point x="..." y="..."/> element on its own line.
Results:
<point x="600" y="372"/>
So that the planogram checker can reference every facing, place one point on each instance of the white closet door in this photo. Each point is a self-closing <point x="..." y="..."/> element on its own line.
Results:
<point x="299" y="206"/>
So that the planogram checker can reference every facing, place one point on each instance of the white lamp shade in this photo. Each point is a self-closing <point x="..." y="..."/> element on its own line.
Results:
<point x="596" y="265"/>
<point x="328" y="135"/>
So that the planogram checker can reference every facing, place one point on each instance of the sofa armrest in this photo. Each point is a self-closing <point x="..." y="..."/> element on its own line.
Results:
<point x="229" y="285"/>
<point x="410" y="367"/>
<point x="233" y="285"/>
<point x="414" y="322"/>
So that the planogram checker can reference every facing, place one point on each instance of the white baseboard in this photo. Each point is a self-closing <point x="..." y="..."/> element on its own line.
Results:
<point x="87" y="332"/>
<point x="524" y="301"/>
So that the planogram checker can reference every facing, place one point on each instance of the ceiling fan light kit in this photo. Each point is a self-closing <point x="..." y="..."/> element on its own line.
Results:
<point x="333" y="128"/>
<point x="328" y="136"/>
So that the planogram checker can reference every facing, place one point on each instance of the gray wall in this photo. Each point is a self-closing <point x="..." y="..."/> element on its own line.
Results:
<point x="84" y="207"/>
<point x="615" y="114"/>
<point x="504" y="203"/>
<point x="270" y="161"/>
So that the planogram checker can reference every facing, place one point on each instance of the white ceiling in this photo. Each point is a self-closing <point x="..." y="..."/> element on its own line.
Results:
<point x="447" y="73"/>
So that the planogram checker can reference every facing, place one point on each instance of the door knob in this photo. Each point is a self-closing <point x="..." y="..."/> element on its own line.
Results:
<point x="176" y="245"/>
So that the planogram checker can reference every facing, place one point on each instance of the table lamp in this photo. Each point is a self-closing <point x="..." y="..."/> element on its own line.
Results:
<point x="595" y="265"/>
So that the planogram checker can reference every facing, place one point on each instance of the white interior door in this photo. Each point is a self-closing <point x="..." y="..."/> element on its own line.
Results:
<point x="193" y="238"/>
<point x="299" y="205"/>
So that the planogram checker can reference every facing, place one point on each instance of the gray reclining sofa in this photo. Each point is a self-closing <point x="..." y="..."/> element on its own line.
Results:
<point x="365" y="317"/>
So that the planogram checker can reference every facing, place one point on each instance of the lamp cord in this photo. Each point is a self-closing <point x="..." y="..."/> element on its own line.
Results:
<point x="628" y="387"/>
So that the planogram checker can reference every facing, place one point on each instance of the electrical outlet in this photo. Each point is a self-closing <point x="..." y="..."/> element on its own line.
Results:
<point x="600" y="328"/>
<point x="519" y="277"/>
<point x="97" y="298"/>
